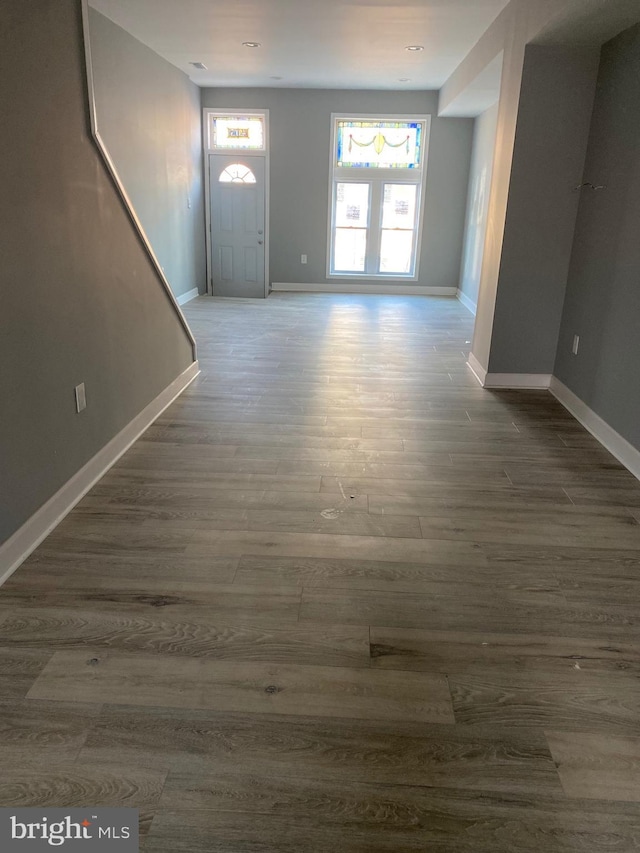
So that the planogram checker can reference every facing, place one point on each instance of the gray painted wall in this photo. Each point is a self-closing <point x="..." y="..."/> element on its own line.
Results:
<point x="556" y="102"/>
<point x="300" y="122"/>
<point x="484" y="143"/>
<point x="149" y="117"/>
<point x="80" y="299"/>
<point x="603" y="293"/>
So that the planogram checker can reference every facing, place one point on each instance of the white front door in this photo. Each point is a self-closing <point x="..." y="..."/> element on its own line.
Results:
<point x="237" y="194"/>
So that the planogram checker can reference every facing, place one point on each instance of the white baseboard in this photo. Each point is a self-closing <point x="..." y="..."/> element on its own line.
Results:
<point x="187" y="297"/>
<point x="518" y="381"/>
<point x="618" y="446"/>
<point x="477" y="369"/>
<point x="506" y="381"/>
<point x="385" y="289"/>
<point x="469" y="304"/>
<point x="26" y="539"/>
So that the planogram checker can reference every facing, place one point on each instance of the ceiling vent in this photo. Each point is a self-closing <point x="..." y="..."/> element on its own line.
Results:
<point x="199" y="65"/>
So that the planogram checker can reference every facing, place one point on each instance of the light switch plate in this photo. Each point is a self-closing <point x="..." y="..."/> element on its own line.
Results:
<point x="81" y="397"/>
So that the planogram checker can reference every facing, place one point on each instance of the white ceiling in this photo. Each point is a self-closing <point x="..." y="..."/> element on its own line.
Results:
<point x="333" y="44"/>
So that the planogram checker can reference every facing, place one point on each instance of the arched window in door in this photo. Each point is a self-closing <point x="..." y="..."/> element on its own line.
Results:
<point x="237" y="174"/>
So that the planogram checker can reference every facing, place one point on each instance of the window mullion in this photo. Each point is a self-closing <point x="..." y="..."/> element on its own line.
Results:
<point x="373" y="237"/>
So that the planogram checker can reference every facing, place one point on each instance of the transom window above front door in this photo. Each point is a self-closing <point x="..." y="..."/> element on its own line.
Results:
<point x="377" y="186"/>
<point x="235" y="131"/>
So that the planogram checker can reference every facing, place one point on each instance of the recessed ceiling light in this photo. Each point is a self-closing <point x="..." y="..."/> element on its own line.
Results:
<point x="251" y="44"/>
<point x="414" y="47"/>
<point x="199" y="65"/>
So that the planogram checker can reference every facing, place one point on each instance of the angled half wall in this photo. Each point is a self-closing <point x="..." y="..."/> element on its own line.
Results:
<point x="82" y="298"/>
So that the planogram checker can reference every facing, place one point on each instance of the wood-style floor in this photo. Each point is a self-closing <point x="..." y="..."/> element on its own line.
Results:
<point x="338" y="598"/>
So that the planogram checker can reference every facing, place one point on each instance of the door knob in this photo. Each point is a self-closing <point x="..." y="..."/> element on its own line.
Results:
<point x="260" y="242"/>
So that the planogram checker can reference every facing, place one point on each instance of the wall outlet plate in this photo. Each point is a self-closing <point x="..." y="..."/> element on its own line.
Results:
<point x="303" y="259"/>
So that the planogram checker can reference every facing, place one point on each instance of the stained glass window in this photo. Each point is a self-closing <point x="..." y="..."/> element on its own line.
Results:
<point x="237" y="174"/>
<point x="378" y="144"/>
<point x="237" y="131"/>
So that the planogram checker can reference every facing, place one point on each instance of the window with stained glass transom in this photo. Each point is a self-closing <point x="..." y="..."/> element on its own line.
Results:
<point x="377" y="190"/>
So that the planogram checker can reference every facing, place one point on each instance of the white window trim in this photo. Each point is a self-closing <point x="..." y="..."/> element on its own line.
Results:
<point x="359" y="175"/>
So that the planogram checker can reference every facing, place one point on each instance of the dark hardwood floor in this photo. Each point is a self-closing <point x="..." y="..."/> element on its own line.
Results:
<point x="338" y="597"/>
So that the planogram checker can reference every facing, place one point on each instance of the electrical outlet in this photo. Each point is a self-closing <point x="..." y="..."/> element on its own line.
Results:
<point x="81" y="397"/>
<point x="303" y="259"/>
<point x="576" y="344"/>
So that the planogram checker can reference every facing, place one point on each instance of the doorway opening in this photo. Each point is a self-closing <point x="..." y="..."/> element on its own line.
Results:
<point x="237" y="202"/>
